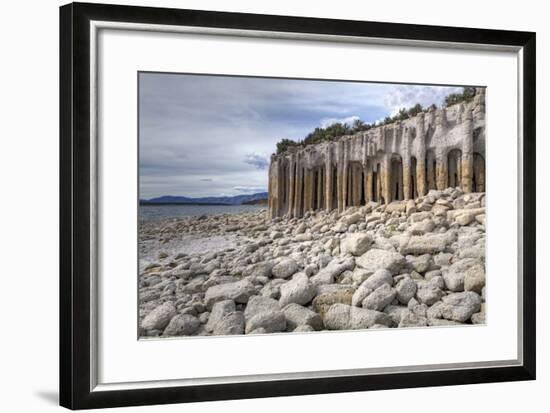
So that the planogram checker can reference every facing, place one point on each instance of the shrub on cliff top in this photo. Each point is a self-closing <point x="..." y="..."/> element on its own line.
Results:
<point x="337" y="130"/>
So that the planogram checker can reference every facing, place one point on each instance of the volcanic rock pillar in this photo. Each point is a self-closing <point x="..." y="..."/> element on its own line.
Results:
<point x="421" y="160"/>
<point x="329" y="179"/>
<point x="467" y="152"/>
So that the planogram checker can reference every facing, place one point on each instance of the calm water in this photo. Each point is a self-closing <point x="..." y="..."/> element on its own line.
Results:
<point x="155" y="212"/>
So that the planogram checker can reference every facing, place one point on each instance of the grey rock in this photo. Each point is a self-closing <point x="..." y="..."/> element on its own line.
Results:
<point x="159" y="318"/>
<point x="428" y="293"/>
<point x="337" y="317"/>
<point x="333" y="270"/>
<point x="303" y="329"/>
<point x="405" y="289"/>
<point x="421" y="263"/>
<point x="325" y="299"/>
<point x="410" y="319"/>
<point x="356" y="244"/>
<point x="182" y="325"/>
<point x="427" y="244"/>
<point x="239" y="292"/>
<point x="271" y="322"/>
<point x="297" y="315"/>
<point x="377" y="279"/>
<point x="379" y="298"/>
<point x="257" y="304"/>
<point x="284" y="268"/>
<point x="219" y="310"/>
<point x="230" y="324"/>
<point x="460" y="306"/>
<point x="474" y="278"/>
<point x="299" y="290"/>
<point x="376" y="259"/>
<point x="361" y="318"/>
<point x="478" y="318"/>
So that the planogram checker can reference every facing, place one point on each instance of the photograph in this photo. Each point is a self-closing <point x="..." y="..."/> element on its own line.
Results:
<point x="281" y="205"/>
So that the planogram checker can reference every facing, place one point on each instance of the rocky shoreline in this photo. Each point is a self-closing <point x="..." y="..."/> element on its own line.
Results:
<point x="413" y="263"/>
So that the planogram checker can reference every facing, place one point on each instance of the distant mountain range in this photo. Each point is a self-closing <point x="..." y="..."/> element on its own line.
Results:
<point x="211" y="200"/>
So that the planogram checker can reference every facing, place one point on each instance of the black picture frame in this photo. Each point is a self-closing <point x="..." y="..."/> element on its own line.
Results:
<point x="75" y="219"/>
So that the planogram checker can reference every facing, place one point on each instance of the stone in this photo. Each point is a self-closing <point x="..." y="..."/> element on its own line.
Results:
<point x="332" y="270"/>
<point x="284" y="268"/>
<point x="239" y="292"/>
<point x="422" y="227"/>
<point x="271" y="322"/>
<point x="454" y="275"/>
<point x="420" y="263"/>
<point x="376" y="259"/>
<point x="379" y="298"/>
<point x="361" y="318"/>
<point x="465" y="219"/>
<point x="337" y="317"/>
<point x="230" y="324"/>
<point x="460" y="306"/>
<point x="474" y="278"/>
<point x="340" y="227"/>
<point x="428" y="293"/>
<point x="380" y="277"/>
<point x="325" y="300"/>
<point x="409" y="319"/>
<point x="297" y="315"/>
<point x="427" y="244"/>
<point x="396" y="312"/>
<point x="303" y="329"/>
<point x="352" y="218"/>
<point x="299" y="290"/>
<point x="356" y="244"/>
<point x="159" y="318"/>
<point x="360" y="294"/>
<point x="219" y="310"/>
<point x="262" y="269"/>
<point x="182" y="325"/>
<point x="257" y="304"/>
<point x="439" y="322"/>
<point x="405" y="290"/>
<point x="478" y="318"/>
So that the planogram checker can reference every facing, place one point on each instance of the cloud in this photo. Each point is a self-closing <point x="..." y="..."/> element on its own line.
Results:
<point x="249" y="189"/>
<point x="206" y="135"/>
<point x="331" y="121"/>
<point x="406" y="96"/>
<point x="257" y="160"/>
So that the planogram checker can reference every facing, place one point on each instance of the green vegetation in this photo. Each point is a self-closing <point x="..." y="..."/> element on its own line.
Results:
<point x="337" y="130"/>
<point x="467" y="94"/>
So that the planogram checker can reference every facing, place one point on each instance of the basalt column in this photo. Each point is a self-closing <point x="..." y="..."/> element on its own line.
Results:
<point x="406" y="173"/>
<point x="368" y="182"/>
<point x="467" y="152"/>
<point x="298" y="187"/>
<point x="441" y="171"/>
<point x="340" y="177"/>
<point x="385" y="179"/>
<point x="329" y="180"/>
<point x="421" y="159"/>
<point x="292" y="178"/>
<point x="308" y="189"/>
<point x="345" y="186"/>
<point x="441" y="157"/>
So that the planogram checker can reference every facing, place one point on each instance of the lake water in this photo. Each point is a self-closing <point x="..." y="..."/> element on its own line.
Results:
<point x="156" y="212"/>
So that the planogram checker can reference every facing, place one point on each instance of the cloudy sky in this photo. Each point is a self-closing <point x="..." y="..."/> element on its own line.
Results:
<point x="213" y="135"/>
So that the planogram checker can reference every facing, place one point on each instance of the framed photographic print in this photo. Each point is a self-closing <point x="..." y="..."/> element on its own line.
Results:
<point x="258" y="206"/>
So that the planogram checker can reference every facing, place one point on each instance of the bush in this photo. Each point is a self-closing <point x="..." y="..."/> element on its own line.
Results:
<point x="337" y="130"/>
